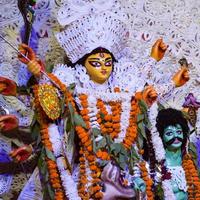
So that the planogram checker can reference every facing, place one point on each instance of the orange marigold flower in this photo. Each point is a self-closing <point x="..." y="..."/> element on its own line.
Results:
<point x="99" y="195"/>
<point x="89" y="148"/>
<point x="93" y="167"/>
<point x="108" y="118"/>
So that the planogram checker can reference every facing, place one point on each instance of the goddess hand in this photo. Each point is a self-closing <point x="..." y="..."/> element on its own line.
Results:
<point x="8" y="123"/>
<point x="149" y="95"/>
<point x="22" y="153"/>
<point x="34" y="65"/>
<point x="181" y="77"/>
<point x="27" y="51"/>
<point x="158" y="50"/>
<point x="7" y="87"/>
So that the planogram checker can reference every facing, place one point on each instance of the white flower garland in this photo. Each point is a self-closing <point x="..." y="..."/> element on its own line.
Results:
<point x="159" y="151"/>
<point x="124" y="122"/>
<point x="93" y="112"/>
<point x="68" y="183"/>
<point x="156" y="140"/>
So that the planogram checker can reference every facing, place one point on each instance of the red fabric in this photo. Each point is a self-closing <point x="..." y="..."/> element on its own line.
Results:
<point x="10" y="122"/>
<point x="10" y="87"/>
<point x="21" y="154"/>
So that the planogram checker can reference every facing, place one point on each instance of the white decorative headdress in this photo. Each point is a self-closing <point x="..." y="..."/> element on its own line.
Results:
<point x="92" y="24"/>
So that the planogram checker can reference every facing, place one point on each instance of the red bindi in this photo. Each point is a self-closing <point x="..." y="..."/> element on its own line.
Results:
<point x="101" y="55"/>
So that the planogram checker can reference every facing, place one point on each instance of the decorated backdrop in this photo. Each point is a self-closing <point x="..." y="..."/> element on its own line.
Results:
<point x="176" y="21"/>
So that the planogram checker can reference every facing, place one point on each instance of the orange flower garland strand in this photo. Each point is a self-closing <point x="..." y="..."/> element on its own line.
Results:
<point x="51" y="165"/>
<point x="192" y="178"/>
<point x="111" y="122"/>
<point x="82" y="177"/>
<point x="131" y="132"/>
<point x="116" y="108"/>
<point x="105" y="127"/>
<point x="148" y="181"/>
<point x="95" y="188"/>
<point x="68" y="96"/>
<point x="103" y="155"/>
<point x="84" y="135"/>
<point x="82" y="132"/>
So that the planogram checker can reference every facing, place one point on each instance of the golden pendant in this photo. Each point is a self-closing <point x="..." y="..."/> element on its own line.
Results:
<point x="49" y="101"/>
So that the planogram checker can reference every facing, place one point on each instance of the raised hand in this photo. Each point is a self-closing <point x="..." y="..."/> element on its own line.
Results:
<point x="34" y="65"/>
<point x="158" y="50"/>
<point x="21" y="154"/>
<point x="8" y="123"/>
<point x="7" y="87"/>
<point x="149" y="95"/>
<point x="27" y="51"/>
<point x="181" y="77"/>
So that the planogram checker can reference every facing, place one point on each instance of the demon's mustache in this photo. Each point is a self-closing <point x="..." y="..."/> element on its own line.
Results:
<point x="173" y="139"/>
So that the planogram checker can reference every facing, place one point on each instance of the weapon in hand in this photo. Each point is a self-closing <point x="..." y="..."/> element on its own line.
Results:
<point x="24" y="56"/>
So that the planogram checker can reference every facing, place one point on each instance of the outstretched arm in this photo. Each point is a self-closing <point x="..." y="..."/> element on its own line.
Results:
<point x="178" y="79"/>
<point x="147" y="66"/>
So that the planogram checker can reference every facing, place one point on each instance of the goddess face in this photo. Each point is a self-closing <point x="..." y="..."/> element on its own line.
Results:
<point x="173" y="137"/>
<point x="99" y="67"/>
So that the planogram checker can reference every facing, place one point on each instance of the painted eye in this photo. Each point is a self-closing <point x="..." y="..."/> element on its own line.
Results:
<point x="95" y="64"/>
<point x="108" y="64"/>
<point x="179" y="132"/>
<point x="168" y="133"/>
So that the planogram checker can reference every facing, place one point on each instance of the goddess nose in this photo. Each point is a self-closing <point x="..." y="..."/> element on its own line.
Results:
<point x="103" y="67"/>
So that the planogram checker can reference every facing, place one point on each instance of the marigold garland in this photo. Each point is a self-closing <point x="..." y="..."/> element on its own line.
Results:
<point x="103" y="155"/>
<point x="51" y="165"/>
<point x="148" y="181"/>
<point x="131" y="132"/>
<point x="116" y="108"/>
<point x="105" y="123"/>
<point x="192" y="178"/>
<point x="111" y="122"/>
<point x="86" y="143"/>
<point x="82" y="191"/>
<point x="68" y="96"/>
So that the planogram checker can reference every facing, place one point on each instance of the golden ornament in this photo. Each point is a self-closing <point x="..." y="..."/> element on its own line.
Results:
<point x="49" y="101"/>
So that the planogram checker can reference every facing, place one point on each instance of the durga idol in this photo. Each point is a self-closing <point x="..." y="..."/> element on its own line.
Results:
<point x="89" y="141"/>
